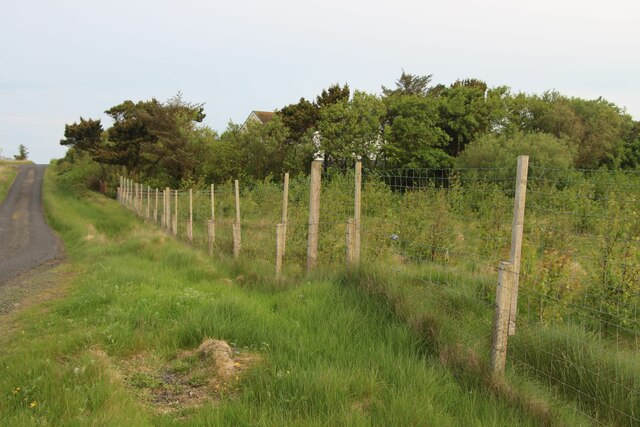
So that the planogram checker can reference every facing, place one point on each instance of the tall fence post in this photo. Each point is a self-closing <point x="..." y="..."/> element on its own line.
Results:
<point x="167" y="209"/>
<point x="148" y="201"/>
<point x="280" y="234"/>
<point x="351" y="237"/>
<point x="353" y="225"/>
<point x="285" y="211"/>
<point x="190" y="224"/>
<point x="119" y="187"/>
<point x="314" y="215"/>
<point x="236" y="223"/>
<point x="281" y="228"/>
<point x="211" y="224"/>
<point x="138" y="198"/>
<point x="504" y="292"/>
<point x="155" y="209"/>
<point x="175" y="215"/>
<point x="516" y="235"/>
<point x="357" y="211"/>
<point x="163" y="216"/>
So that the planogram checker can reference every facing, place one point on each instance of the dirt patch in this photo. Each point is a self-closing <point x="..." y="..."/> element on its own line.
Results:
<point x="43" y="283"/>
<point x="49" y="282"/>
<point x="189" y="380"/>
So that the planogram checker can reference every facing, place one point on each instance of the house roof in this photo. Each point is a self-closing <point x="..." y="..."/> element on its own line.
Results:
<point x="264" y="116"/>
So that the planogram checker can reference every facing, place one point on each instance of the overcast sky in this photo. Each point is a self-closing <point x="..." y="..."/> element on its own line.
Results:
<point x="64" y="59"/>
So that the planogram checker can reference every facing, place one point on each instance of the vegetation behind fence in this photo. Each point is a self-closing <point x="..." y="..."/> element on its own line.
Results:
<point x="443" y="233"/>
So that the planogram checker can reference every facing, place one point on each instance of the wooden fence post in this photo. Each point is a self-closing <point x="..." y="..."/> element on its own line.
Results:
<point x="167" y="209"/>
<point x="516" y="235"/>
<point x="357" y="212"/>
<point x="211" y="224"/>
<point x="148" y="201"/>
<point x="351" y="241"/>
<point x="175" y="216"/>
<point x="190" y="223"/>
<point x="155" y="209"/>
<point x="314" y="215"/>
<point x="285" y="212"/>
<point x="164" y="209"/>
<point x="504" y="292"/>
<point x="353" y="225"/>
<point x="280" y="237"/>
<point x="236" y="224"/>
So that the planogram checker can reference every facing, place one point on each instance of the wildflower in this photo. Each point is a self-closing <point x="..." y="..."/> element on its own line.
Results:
<point x="33" y="404"/>
<point x="16" y="390"/>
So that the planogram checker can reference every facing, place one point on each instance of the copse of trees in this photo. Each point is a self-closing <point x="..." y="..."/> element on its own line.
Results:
<point x="412" y="125"/>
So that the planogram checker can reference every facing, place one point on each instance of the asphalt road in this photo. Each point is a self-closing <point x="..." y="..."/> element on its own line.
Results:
<point x="26" y="241"/>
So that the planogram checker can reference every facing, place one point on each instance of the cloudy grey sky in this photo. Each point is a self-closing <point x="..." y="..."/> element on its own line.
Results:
<point x="62" y="59"/>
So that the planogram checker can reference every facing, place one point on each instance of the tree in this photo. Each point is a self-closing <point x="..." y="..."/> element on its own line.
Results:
<point x="412" y="137"/>
<point x="23" y="153"/>
<point x="464" y="113"/>
<point x="332" y="95"/>
<point x="299" y="118"/>
<point x="409" y="84"/>
<point x="352" y="129"/>
<point x="148" y="138"/>
<point x="255" y="150"/>
<point x="549" y="156"/>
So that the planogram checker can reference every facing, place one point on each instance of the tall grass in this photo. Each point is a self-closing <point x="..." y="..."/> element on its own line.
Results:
<point x="7" y="175"/>
<point x="327" y="354"/>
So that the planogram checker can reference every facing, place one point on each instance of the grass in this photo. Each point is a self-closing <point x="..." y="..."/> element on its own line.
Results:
<point x="7" y="175"/>
<point x="564" y="365"/>
<point x="326" y="352"/>
<point x="576" y="350"/>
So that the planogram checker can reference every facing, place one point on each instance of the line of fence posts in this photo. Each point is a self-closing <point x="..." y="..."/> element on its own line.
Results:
<point x="504" y="318"/>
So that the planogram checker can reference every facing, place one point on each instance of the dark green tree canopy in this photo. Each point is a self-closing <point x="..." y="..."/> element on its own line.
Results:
<point x="409" y="84"/>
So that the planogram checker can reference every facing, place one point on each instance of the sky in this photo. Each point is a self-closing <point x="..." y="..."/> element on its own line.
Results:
<point x="65" y="59"/>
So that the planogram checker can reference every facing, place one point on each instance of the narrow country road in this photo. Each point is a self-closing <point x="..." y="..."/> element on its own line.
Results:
<point x="26" y="241"/>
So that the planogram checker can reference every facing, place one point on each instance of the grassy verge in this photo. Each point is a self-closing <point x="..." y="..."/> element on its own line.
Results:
<point x="558" y="372"/>
<point x="7" y="175"/>
<point x="120" y="348"/>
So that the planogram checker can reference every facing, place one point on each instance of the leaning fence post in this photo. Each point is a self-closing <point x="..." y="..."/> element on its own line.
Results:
<point x="504" y="292"/>
<point x="236" y="223"/>
<point x="190" y="224"/>
<point x="314" y="215"/>
<point x="516" y="235"/>
<point x="211" y="225"/>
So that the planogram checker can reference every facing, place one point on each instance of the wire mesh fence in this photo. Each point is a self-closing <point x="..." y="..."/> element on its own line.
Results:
<point x="442" y="235"/>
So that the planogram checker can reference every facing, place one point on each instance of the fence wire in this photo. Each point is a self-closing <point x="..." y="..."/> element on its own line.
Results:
<point x="442" y="234"/>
